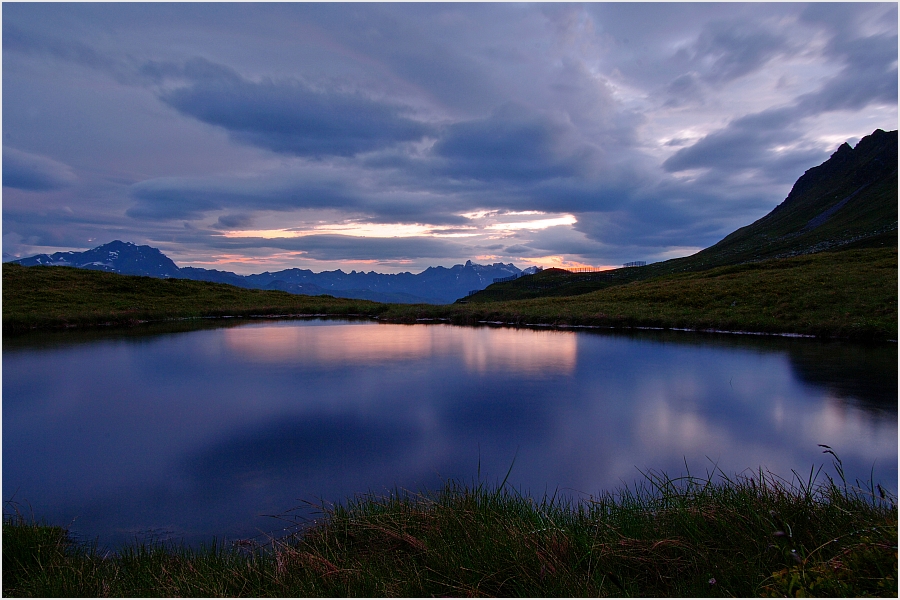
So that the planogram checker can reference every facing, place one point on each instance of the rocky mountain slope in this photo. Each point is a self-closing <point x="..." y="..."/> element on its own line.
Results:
<point x="849" y="199"/>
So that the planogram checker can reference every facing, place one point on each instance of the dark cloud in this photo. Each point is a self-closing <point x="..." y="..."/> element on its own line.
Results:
<point x="26" y="171"/>
<point x="288" y="116"/>
<point x="723" y="51"/>
<point x="196" y="70"/>
<point x="843" y="19"/>
<point x="59" y="228"/>
<point x="868" y="77"/>
<point x="431" y="48"/>
<point x="524" y="159"/>
<point x="684" y="89"/>
<point x="351" y="190"/>
<point x="162" y="201"/>
<point x="177" y="198"/>
<point x="640" y="236"/>
<point x="233" y="222"/>
<point x="513" y="143"/>
<point x="728" y="50"/>
<point x="740" y="145"/>
<point x="669" y="213"/>
<point x="16" y="39"/>
<point x="755" y="141"/>
<point x="517" y="249"/>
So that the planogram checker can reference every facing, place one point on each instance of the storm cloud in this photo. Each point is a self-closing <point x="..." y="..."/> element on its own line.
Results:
<point x="512" y="144"/>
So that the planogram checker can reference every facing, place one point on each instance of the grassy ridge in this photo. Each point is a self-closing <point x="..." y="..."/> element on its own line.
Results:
<point x="558" y="282"/>
<point x="849" y="294"/>
<point x="46" y="297"/>
<point x="754" y="535"/>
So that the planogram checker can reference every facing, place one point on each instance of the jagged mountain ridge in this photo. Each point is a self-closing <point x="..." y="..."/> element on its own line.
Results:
<point x="849" y="199"/>
<point x="434" y="285"/>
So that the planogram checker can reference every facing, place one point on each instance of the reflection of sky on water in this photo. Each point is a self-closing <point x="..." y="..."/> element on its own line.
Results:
<point x="482" y="350"/>
<point x="199" y="432"/>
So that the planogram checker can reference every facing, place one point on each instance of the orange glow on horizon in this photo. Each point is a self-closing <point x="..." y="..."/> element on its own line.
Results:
<point x="362" y="343"/>
<point x="224" y="259"/>
<point x="558" y="261"/>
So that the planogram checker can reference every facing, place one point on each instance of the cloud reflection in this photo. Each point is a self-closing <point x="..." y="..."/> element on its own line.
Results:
<point x="482" y="350"/>
<point x="857" y="433"/>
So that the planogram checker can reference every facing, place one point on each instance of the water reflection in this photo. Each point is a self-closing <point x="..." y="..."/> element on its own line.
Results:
<point x="200" y="433"/>
<point x="482" y="349"/>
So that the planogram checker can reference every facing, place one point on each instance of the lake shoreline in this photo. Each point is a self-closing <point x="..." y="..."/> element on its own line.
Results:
<point x="131" y="324"/>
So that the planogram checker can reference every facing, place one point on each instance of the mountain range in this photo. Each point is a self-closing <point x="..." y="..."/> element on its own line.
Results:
<point x="434" y="285"/>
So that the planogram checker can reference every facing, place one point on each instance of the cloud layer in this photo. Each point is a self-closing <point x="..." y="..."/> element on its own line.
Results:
<point x="288" y="116"/>
<point x="404" y="136"/>
<point x="26" y="171"/>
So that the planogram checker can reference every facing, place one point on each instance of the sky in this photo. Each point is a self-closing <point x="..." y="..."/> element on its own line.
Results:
<point x="394" y="137"/>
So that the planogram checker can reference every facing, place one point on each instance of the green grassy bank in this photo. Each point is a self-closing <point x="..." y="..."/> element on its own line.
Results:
<point x="53" y="297"/>
<point x="847" y="294"/>
<point x="754" y="535"/>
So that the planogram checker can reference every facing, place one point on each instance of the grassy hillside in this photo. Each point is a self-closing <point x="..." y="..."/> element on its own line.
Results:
<point x="851" y="294"/>
<point x="47" y="297"/>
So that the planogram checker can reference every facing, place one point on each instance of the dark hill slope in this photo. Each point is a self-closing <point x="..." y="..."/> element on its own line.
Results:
<point x="849" y="201"/>
<point x="850" y="198"/>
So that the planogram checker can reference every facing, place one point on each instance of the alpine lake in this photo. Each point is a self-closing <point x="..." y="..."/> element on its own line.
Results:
<point x="235" y="430"/>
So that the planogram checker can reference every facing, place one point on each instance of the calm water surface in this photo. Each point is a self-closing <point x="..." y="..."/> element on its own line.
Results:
<point x="196" y="434"/>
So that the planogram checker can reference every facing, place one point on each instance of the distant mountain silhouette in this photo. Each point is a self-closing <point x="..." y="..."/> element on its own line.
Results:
<point x="114" y="257"/>
<point x="435" y="285"/>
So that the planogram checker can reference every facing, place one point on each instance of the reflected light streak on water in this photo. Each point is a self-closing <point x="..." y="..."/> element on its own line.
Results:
<point x="483" y="350"/>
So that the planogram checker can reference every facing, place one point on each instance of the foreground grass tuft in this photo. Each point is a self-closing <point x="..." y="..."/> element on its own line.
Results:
<point x="753" y="535"/>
